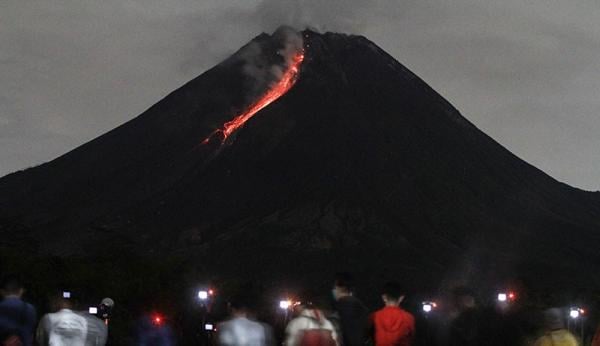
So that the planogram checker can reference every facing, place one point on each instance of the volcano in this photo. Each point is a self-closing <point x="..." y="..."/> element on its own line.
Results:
<point x="355" y="164"/>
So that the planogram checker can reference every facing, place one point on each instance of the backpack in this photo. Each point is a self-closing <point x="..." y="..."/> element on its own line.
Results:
<point x="316" y="337"/>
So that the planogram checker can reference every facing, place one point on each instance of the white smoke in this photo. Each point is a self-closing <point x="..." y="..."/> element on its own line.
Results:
<point x="259" y="64"/>
<point x="292" y="43"/>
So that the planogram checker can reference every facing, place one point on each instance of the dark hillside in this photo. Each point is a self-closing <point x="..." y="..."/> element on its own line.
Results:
<point x="361" y="164"/>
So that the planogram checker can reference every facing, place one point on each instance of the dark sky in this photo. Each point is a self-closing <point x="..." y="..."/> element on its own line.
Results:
<point x="525" y="72"/>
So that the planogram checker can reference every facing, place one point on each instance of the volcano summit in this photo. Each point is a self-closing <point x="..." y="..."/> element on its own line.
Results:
<point x="356" y="163"/>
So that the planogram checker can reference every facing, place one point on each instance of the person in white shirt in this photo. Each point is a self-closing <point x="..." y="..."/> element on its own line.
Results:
<point x="240" y="330"/>
<point x="67" y="327"/>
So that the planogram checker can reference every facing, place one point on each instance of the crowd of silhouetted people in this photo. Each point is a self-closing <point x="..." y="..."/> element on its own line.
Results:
<point x="326" y="318"/>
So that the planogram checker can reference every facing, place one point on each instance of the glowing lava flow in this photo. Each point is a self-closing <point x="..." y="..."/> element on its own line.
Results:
<point x="281" y="87"/>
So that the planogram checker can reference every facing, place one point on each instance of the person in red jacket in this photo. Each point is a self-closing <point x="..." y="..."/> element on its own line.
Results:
<point x="393" y="326"/>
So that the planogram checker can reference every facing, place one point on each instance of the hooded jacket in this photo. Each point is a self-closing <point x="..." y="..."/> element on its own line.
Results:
<point x="393" y="327"/>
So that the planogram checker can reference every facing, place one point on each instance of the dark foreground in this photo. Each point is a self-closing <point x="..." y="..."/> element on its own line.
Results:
<point x="162" y="288"/>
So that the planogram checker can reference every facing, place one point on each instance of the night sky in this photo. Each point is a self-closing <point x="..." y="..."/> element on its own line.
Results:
<point x="525" y="72"/>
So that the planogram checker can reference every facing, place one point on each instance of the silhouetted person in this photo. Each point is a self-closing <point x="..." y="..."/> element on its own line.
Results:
<point x="464" y="325"/>
<point x="392" y="325"/>
<point x="353" y="315"/>
<point x="517" y="321"/>
<point x="17" y="318"/>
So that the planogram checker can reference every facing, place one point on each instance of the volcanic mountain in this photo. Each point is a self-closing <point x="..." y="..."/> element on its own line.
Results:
<point x="356" y="163"/>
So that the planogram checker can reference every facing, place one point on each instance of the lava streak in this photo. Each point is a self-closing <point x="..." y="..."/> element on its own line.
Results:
<point x="281" y="87"/>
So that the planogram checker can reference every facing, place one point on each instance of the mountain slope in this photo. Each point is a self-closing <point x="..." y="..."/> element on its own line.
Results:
<point x="361" y="164"/>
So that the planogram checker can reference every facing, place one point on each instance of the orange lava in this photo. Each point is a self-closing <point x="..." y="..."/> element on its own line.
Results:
<point x="286" y="82"/>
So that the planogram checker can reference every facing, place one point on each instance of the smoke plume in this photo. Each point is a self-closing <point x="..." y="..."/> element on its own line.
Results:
<point x="263" y="67"/>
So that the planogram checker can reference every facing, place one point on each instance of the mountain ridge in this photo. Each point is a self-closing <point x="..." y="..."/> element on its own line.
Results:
<point x="360" y="151"/>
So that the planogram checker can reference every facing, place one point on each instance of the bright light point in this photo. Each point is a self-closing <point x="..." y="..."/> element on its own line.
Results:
<point x="203" y="295"/>
<point x="157" y="319"/>
<point x="502" y="297"/>
<point x="428" y="306"/>
<point x="285" y="304"/>
<point x="574" y="313"/>
<point x="208" y="326"/>
<point x="66" y="294"/>
<point x="511" y="296"/>
<point x="211" y="292"/>
<point x="93" y="310"/>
